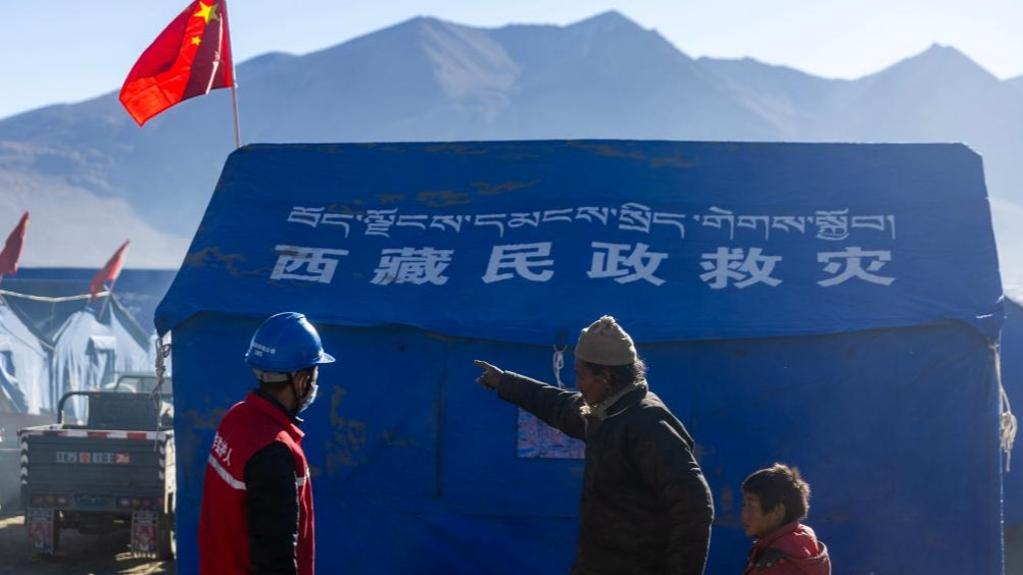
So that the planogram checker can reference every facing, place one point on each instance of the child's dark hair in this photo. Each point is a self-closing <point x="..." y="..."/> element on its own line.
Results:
<point x="780" y="484"/>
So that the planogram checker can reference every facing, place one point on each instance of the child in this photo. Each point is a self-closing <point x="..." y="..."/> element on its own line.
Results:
<point x="773" y="502"/>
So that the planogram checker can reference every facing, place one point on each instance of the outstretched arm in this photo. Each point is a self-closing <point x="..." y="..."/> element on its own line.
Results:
<point x="557" y="407"/>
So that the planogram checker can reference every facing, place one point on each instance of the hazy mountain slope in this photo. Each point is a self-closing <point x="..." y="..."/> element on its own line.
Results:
<point x="89" y="166"/>
<point x="1016" y="83"/>
<point x="941" y="95"/>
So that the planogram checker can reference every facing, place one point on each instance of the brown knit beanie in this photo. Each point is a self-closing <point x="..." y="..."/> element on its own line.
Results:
<point x="605" y="343"/>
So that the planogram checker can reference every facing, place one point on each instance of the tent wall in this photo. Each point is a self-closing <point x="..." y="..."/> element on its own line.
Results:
<point x="24" y="363"/>
<point x="83" y="357"/>
<point x="135" y="349"/>
<point x="416" y="470"/>
<point x="89" y="352"/>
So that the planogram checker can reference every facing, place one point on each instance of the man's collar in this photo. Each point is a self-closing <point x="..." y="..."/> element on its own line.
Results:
<point x="603" y="410"/>
<point x="276" y="403"/>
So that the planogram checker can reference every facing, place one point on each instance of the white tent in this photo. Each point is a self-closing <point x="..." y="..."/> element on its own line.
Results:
<point x="24" y="365"/>
<point x="92" y="346"/>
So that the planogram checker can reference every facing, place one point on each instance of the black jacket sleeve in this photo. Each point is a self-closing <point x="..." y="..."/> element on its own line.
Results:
<point x="271" y="508"/>
<point x="557" y="407"/>
<point x="663" y="455"/>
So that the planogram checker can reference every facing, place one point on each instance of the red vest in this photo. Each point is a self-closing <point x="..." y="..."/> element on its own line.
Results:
<point x="223" y="535"/>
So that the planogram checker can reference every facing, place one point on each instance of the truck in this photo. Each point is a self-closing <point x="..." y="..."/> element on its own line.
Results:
<point x="115" y="470"/>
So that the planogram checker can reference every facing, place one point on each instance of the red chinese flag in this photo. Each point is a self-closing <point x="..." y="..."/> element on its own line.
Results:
<point x="109" y="272"/>
<point x="189" y="58"/>
<point x="12" y="249"/>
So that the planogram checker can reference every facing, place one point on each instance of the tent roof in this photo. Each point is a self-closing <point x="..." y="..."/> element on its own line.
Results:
<point x="13" y="320"/>
<point x="528" y="241"/>
<point x="137" y="293"/>
<point x="103" y="325"/>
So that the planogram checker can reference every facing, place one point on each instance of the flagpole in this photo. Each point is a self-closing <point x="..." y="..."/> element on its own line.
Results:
<point x="234" y="105"/>
<point x="234" y="80"/>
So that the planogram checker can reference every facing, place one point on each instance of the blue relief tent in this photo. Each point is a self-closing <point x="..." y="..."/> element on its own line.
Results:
<point x="829" y="306"/>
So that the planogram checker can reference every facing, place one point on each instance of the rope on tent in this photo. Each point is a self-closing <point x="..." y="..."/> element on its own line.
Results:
<point x="1007" y="421"/>
<point x="1008" y="430"/>
<point x="558" y="363"/>
<point x="45" y="299"/>
<point x="162" y="351"/>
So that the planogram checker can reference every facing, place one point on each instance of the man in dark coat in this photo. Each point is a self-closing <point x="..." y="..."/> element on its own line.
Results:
<point x="646" y="507"/>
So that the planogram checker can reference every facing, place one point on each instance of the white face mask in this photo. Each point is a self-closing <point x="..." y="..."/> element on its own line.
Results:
<point x="310" y="397"/>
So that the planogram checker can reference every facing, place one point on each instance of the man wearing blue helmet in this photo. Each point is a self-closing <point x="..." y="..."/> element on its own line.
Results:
<point x="257" y="506"/>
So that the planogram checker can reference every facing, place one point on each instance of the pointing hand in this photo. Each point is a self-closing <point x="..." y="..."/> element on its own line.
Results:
<point x="491" y="375"/>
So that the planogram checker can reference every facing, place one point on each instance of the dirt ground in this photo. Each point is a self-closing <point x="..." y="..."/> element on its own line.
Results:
<point x="79" y="554"/>
<point x="107" y="554"/>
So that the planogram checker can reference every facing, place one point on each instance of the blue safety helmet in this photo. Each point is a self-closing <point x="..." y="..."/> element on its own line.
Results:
<point x="286" y="343"/>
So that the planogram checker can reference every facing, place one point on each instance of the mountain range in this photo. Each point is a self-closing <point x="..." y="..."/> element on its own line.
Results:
<point x="91" y="177"/>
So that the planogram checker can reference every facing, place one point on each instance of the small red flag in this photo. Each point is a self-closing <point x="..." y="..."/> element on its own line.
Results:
<point x="189" y="58"/>
<point x="12" y="249"/>
<point x="109" y="272"/>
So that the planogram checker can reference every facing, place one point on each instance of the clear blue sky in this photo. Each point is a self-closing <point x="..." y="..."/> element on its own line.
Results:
<point x="70" y="50"/>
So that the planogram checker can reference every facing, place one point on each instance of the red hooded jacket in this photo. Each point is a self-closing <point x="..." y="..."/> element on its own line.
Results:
<point x="791" y="550"/>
